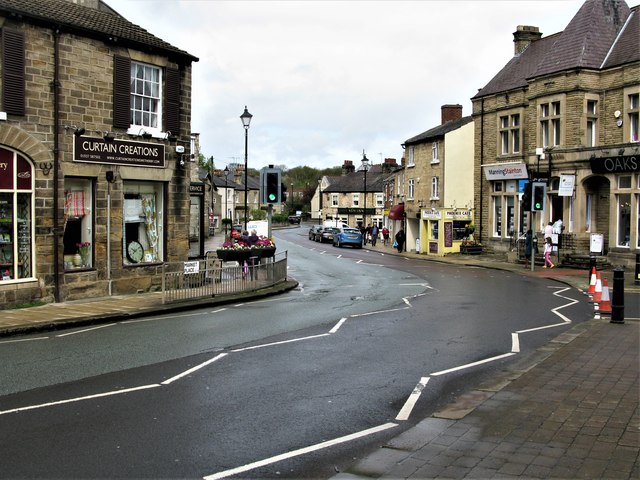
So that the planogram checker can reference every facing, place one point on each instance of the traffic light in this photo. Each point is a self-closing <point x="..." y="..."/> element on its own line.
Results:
<point x="271" y="185"/>
<point x="538" y="196"/>
<point x="526" y="197"/>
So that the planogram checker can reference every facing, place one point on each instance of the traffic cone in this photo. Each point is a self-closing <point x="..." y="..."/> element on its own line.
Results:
<point x="597" y="295"/>
<point x="592" y="282"/>
<point x="605" y="302"/>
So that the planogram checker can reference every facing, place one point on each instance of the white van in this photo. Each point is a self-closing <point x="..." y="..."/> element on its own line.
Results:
<point x="335" y="223"/>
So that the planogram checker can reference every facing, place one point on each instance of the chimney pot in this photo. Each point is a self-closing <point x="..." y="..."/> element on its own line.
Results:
<point x="524" y="36"/>
<point x="451" y="112"/>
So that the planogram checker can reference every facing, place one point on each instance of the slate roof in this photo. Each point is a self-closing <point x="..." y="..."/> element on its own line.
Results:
<point x="602" y="34"/>
<point x="103" y="24"/>
<point x="354" y="182"/>
<point x="439" y="131"/>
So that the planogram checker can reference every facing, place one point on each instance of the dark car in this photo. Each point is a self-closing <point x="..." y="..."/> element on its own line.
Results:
<point x="294" y="219"/>
<point x="327" y="234"/>
<point x="347" y="236"/>
<point x="315" y="232"/>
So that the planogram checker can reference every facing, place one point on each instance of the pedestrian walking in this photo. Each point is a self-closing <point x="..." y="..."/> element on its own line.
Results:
<point x="548" y="248"/>
<point x="528" y="247"/>
<point x="385" y="235"/>
<point x="548" y="231"/>
<point x="374" y="235"/>
<point x="400" y="238"/>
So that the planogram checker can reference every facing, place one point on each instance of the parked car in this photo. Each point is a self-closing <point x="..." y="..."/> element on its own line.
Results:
<point x="294" y="219"/>
<point x="327" y="234"/>
<point x="314" y="231"/>
<point x="347" y="236"/>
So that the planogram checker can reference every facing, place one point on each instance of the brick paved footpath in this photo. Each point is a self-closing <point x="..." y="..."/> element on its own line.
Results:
<point x="572" y="415"/>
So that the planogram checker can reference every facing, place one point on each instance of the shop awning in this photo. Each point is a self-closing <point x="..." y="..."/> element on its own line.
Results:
<point x="397" y="212"/>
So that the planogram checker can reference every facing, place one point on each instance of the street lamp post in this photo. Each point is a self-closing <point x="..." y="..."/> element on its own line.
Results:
<point x="365" y="168"/>
<point x="246" y="120"/>
<point x="320" y="201"/>
<point x="226" y="195"/>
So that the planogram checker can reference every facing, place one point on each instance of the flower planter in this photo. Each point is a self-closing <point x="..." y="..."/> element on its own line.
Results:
<point x="233" y="255"/>
<point x="471" y="249"/>
<point x="266" y="252"/>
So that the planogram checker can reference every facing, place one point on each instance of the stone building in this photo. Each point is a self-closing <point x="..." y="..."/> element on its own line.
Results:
<point x="564" y="111"/>
<point x="439" y="184"/>
<point x="94" y="152"/>
<point x="357" y="196"/>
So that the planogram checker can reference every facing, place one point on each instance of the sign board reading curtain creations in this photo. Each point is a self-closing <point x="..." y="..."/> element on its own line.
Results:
<point x="118" y="152"/>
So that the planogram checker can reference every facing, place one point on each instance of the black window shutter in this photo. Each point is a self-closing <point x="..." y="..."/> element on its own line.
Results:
<point x="121" y="92"/>
<point x="13" y="72"/>
<point x="172" y="101"/>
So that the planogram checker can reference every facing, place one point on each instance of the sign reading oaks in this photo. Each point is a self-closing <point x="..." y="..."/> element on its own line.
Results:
<point x="118" y="152"/>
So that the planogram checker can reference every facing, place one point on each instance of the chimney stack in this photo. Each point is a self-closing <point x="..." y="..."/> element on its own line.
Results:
<point x="451" y="112"/>
<point x="348" y="167"/>
<point x="524" y="36"/>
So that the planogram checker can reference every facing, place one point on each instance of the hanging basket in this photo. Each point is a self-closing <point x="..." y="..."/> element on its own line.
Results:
<point x="266" y="252"/>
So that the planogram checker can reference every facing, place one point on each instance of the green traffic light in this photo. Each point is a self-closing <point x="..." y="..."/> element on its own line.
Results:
<point x="272" y="197"/>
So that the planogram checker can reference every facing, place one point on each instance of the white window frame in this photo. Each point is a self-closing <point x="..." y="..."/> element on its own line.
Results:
<point x="411" y="162"/>
<point x="510" y="126"/>
<point x="334" y="200"/>
<point x="550" y="121"/>
<point x="435" y="152"/>
<point x="138" y="187"/>
<point x="355" y="199"/>
<point x="379" y="200"/>
<point x="632" y="115"/>
<point x="591" y="128"/>
<point x="410" y="188"/>
<point x="146" y="98"/>
<point x="435" y="188"/>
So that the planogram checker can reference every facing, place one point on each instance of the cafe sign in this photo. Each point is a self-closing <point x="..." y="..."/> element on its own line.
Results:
<point x="118" y="152"/>
<point x="619" y="164"/>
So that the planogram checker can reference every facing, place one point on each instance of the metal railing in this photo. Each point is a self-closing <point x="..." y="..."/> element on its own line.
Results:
<point x="192" y="280"/>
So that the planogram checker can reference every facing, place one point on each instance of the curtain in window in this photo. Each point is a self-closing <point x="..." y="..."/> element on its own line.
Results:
<point x="73" y="205"/>
<point x="150" y="223"/>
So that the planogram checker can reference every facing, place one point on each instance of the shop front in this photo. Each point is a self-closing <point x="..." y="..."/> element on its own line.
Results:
<point x="447" y="230"/>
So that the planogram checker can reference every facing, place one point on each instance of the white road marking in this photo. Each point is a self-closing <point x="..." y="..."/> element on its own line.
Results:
<point x="80" y="399"/>
<point x="280" y="343"/>
<point x="191" y="370"/>
<point x="86" y="330"/>
<point x="469" y="365"/>
<point x="405" y="412"/>
<point x="25" y="340"/>
<point x="301" y="451"/>
<point x="515" y="343"/>
<point x="338" y="325"/>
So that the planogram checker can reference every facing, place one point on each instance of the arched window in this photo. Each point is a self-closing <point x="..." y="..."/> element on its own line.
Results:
<point x="16" y="216"/>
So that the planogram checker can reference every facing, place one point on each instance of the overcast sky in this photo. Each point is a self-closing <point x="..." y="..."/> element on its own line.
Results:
<point x="326" y="80"/>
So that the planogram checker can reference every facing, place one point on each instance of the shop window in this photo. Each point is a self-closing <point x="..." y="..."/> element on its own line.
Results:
<point x="143" y="239"/>
<point x="78" y="223"/>
<point x="16" y="217"/>
<point x="434" y="229"/>
<point x="624" y="181"/>
<point x="460" y="229"/>
<point x="624" y="219"/>
<point x="497" y="216"/>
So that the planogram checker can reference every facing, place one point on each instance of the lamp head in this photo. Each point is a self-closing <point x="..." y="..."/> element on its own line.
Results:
<point x="246" y="118"/>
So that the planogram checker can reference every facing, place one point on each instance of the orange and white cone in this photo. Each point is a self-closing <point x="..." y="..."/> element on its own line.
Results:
<point x="597" y="295"/>
<point x="605" y="302"/>
<point x="592" y="282"/>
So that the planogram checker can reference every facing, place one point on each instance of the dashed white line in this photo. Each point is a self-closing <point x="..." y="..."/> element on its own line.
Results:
<point x="194" y="369"/>
<point x="469" y="365"/>
<point x="86" y="330"/>
<point x="280" y="343"/>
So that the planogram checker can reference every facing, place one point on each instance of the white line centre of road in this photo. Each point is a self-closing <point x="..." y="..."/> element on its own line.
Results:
<point x="301" y="451"/>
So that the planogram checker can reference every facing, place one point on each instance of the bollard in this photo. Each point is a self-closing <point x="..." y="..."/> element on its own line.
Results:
<point x="637" y="279"/>
<point x="617" y="302"/>
<point x="592" y="265"/>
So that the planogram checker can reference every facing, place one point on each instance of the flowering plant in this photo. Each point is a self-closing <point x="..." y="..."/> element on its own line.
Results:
<point x="470" y="243"/>
<point x="264" y="242"/>
<point x="83" y="248"/>
<point x="235" y="246"/>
